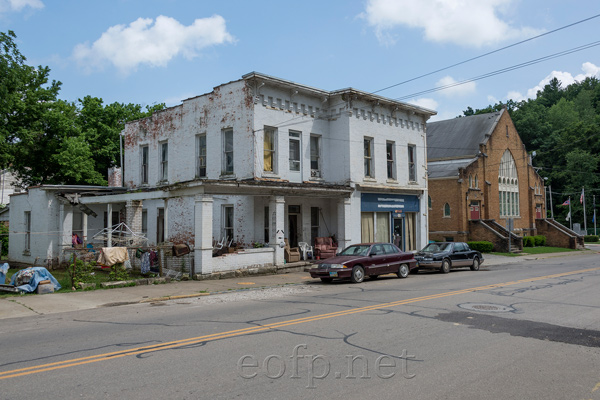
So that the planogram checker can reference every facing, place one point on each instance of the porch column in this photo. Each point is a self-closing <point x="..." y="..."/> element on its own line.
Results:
<point x="109" y="224"/>
<point x="277" y="220"/>
<point x="203" y="220"/>
<point x="133" y="217"/>
<point x="66" y="227"/>
<point x="84" y="227"/>
<point x="344" y="217"/>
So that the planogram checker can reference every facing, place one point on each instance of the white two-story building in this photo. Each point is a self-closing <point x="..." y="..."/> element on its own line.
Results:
<point x="261" y="159"/>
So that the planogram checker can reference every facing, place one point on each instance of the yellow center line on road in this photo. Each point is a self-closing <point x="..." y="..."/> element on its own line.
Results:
<point x="245" y="331"/>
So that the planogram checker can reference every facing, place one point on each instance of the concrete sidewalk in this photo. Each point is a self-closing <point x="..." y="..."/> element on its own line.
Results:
<point x="28" y="305"/>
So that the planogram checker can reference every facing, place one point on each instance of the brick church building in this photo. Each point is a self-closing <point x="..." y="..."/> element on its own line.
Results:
<point x="480" y="177"/>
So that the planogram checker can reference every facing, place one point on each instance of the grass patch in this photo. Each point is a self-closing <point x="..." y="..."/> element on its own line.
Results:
<point x="545" y="250"/>
<point x="504" y="254"/>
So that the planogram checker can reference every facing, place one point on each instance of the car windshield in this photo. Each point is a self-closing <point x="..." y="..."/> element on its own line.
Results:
<point x="357" y="250"/>
<point x="436" y="247"/>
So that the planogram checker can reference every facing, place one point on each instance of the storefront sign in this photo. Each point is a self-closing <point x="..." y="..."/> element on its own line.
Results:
<point x="394" y="203"/>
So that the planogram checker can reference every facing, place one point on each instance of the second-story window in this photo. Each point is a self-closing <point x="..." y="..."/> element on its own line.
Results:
<point x="227" y="151"/>
<point x="164" y="161"/>
<point x="201" y="156"/>
<point x="315" y="156"/>
<point x="269" y="149"/>
<point x="412" y="163"/>
<point x="144" y="164"/>
<point x="390" y="150"/>
<point x="368" y="152"/>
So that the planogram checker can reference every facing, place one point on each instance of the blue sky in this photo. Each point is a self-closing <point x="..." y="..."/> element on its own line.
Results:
<point x="151" y="51"/>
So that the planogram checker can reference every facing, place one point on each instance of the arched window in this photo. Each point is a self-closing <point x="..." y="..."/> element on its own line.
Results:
<point x="476" y="181"/>
<point x="446" y="210"/>
<point x="470" y="181"/>
<point x="508" y="186"/>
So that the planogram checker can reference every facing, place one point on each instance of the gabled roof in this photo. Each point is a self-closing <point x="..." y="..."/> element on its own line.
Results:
<point x="460" y="137"/>
<point x="448" y="168"/>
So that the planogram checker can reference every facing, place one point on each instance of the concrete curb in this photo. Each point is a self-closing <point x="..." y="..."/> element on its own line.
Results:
<point x="181" y="296"/>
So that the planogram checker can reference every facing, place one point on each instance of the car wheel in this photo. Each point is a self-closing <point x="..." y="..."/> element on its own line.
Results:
<point x="403" y="271"/>
<point x="326" y="280"/>
<point x="358" y="274"/>
<point x="475" y="266"/>
<point x="445" y="266"/>
<point x="373" y="276"/>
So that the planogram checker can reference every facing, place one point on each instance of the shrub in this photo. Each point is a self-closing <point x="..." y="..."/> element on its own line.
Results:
<point x="482" y="246"/>
<point x="528" y="241"/>
<point x="84" y="272"/>
<point x="539" y="240"/>
<point x="591" y="238"/>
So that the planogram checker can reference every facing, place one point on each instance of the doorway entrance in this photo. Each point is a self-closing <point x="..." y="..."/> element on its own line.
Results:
<point x="294" y="222"/>
<point x="397" y="229"/>
<point x="474" y="208"/>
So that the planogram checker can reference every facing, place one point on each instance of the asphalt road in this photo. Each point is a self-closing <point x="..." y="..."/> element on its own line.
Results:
<point x="517" y="331"/>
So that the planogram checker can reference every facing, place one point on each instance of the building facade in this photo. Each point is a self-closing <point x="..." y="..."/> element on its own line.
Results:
<point x="479" y="171"/>
<point x="261" y="159"/>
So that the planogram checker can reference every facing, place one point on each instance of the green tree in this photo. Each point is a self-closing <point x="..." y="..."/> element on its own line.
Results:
<point x="25" y="95"/>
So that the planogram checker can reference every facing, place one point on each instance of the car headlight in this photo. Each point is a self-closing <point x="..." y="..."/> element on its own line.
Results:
<point x="337" y="266"/>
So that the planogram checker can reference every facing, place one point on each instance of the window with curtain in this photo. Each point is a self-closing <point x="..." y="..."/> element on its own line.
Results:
<point x="382" y="231"/>
<point x="269" y="149"/>
<point x="508" y="186"/>
<point x="410" y="231"/>
<point x="367" y="226"/>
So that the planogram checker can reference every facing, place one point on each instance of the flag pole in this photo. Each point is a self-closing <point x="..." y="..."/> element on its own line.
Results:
<point x="595" y="215"/>
<point x="584" y="216"/>
<point x="570" y="215"/>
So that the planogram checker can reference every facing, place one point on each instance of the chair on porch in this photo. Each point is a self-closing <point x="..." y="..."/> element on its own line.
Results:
<point x="291" y="254"/>
<point x="306" y="250"/>
<point x="325" y="248"/>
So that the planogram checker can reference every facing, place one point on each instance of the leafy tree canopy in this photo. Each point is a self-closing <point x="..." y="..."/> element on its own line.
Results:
<point x="46" y="140"/>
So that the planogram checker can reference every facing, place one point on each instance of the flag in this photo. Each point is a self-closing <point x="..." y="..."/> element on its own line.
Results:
<point x="568" y="216"/>
<point x="581" y="198"/>
<point x="566" y="203"/>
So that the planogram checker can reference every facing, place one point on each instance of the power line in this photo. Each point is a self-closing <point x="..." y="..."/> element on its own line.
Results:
<point x="487" y="54"/>
<point x="503" y="70"/>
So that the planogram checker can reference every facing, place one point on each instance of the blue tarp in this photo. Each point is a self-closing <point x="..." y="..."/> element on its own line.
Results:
<point x="3" y="271"/>
<point x="39" y="274"/>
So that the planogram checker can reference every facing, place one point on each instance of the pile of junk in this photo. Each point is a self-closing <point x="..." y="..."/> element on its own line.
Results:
<point x="28" y="280"/>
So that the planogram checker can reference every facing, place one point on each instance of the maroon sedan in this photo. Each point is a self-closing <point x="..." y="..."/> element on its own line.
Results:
<point x="358" y="260"/>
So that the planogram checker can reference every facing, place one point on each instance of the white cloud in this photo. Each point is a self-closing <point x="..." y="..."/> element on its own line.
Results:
<point x="566" y="78"/>
<point x="426" y="103"/>
<point x="472" y="23"/>
<point x="150" y="42"/>
<point x="19" y="5"/>
<point x="454" y="89"/>
<point x="514" y="95"/>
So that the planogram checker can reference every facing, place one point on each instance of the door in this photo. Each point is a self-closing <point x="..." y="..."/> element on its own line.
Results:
<point x="397" y="229"/>
<point x="474" y="210"/>
<point x="538" y="211"/>
<point x="295" y="157"/>
<point x="377" y="263"/>
<point x="459" y="255"/>
<point x="294" y="218"/>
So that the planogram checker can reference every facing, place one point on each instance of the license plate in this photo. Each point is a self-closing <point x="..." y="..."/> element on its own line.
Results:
<point x="333" y="274"/>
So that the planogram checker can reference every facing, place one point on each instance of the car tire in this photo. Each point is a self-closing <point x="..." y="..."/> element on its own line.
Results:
<point x="373" y="276"/>
<point x="475" y="266"/>
<point x="326" y="280"/>
<point x="445" y="268"/>
<point x="403" y="271"/>
<point x="358" y="274"/>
